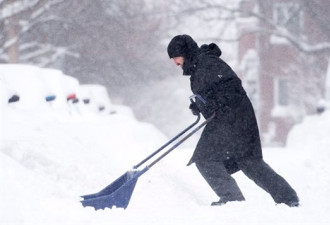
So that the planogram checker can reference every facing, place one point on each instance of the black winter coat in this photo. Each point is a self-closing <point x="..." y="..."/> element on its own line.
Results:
<point x="233" y="134"/>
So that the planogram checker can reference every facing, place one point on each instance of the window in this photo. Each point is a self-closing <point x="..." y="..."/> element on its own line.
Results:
<point x="288" y="15"/>
<point x="282" y="97"/>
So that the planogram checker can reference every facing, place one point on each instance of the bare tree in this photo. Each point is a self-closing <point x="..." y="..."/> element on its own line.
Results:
<point x="230" y="11"/>
<point x="117" y="41"/>
<point x="95" y="41"/>
<point x="17" y="19"/>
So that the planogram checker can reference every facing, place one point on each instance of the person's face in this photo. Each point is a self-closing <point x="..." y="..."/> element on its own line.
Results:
<point x="178" y="61"/>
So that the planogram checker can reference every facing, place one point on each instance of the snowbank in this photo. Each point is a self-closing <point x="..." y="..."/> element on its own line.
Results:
<point x="50" y="90"/>
<point x="52" y="154"/>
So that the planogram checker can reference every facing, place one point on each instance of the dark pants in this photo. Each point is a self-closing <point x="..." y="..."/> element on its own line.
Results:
<point x="257" y="170"/>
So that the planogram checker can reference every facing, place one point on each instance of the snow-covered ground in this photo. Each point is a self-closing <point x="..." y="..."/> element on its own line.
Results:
<point x="54" y="152"/>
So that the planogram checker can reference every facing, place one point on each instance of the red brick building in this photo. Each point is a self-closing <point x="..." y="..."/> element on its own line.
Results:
<point x="283" y="82"/>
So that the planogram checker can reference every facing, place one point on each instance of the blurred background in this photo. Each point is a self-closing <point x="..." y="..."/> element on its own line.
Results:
<point x="280" y="50"/>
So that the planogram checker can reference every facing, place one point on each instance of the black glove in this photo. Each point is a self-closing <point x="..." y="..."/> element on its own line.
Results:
<point x="194" y="108"/>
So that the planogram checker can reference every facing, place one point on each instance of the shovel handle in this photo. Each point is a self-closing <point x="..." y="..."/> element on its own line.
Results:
<point x="166" y="144"/>
<point x="181" y="141"/>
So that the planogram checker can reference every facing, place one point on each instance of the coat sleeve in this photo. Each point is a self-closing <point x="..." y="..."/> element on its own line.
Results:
<point x="208" y="80"/>
<point x="218" y="85"/>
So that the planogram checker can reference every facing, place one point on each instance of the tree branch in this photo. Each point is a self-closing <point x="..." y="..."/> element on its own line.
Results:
<point x="270" y="27"/>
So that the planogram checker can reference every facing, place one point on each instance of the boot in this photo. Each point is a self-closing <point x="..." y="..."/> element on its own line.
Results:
<point x="218" y="203"/>
<point x="293" y="204"/>
<point x="222" y="202"/>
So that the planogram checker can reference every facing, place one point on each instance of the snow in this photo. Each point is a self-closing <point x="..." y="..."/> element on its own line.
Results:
<point x="51" y="154"/>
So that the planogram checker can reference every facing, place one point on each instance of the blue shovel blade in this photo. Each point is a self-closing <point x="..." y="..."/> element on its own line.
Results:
<point x="116" y="194"/>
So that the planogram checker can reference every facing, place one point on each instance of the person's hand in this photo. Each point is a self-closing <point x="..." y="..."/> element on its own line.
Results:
<point x="194" y="109"/>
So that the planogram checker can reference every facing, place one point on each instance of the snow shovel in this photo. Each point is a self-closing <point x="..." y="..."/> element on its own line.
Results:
<point x="120" y="191"/>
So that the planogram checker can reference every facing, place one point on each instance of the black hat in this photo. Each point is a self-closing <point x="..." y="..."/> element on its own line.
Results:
<point x="182" y="45"/>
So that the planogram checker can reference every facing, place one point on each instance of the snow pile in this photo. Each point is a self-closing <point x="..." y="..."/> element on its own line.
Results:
<point x="51" y="91"/>
<point x="310" y="144"/>
<point x="33" y="84"/>
<point x="53" y="152"/>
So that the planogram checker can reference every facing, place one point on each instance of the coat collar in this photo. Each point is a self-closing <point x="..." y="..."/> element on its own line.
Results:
<point x="190" y="64"/>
